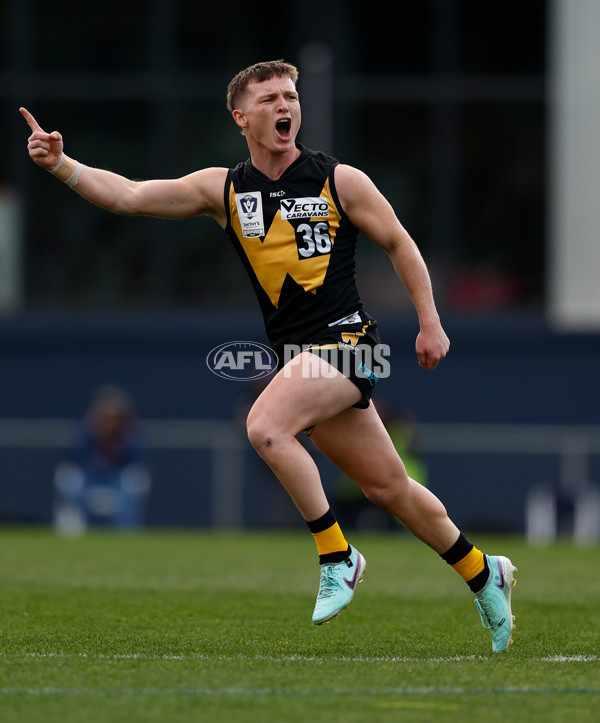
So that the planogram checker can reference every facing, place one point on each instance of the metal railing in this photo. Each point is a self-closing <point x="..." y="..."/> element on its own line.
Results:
<point x="573" y="445"/>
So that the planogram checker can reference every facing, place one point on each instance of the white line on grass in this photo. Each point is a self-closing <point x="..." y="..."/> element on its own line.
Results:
<point x="297" y="658"/>
<point x="264" y="692"/>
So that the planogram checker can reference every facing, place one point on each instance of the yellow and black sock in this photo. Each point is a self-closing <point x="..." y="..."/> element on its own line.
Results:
<point x="331" y="543"/>
<point x="469" y="562"/>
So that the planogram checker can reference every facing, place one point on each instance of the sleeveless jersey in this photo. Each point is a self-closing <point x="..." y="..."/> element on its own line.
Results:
<point x="296" y="243"/>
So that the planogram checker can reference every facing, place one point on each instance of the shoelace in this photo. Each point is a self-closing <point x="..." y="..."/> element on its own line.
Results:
<point x="483" y="615"/>
<point x="328" y="582"/>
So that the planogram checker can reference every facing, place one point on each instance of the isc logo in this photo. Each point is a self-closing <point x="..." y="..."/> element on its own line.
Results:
<point x="242" y="360"/>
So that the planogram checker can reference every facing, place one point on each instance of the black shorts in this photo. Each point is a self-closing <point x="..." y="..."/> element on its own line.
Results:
<point x="350" y="348"/>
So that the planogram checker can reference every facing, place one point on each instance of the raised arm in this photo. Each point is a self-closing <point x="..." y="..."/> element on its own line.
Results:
<point x="372" y="214"/>
<point x="197" y="193"/>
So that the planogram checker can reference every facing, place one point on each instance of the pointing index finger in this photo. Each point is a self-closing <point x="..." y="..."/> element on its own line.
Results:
<point x="31" y="121"/>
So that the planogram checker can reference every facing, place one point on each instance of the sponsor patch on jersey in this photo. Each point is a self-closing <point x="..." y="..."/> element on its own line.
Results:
<point x="350" y="319"/>
<point x="250" y="212"/>
<point x="304" y="208"/>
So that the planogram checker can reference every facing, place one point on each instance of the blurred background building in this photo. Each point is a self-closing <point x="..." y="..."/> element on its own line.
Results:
<point x="477" y="120"/>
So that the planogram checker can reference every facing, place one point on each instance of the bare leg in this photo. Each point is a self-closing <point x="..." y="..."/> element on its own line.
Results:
<point x="357" y="442"/>
<point x="306" y="392"/>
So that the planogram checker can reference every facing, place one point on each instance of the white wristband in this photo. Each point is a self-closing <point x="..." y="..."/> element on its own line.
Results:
<point x="61" y="160"/>
<point x="74" y="177"/>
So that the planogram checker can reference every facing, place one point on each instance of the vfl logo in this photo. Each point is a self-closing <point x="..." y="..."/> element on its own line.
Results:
<point x="242" y="360"/>
<point x="249" y="208"/>
<point x="249" y="204"/>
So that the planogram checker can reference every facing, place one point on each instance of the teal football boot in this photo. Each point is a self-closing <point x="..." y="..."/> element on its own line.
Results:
<point x="493" y="602"/>
<point x="337" y="585"/>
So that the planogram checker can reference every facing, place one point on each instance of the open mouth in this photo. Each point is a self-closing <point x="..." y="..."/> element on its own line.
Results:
<point x="283" y="127"/>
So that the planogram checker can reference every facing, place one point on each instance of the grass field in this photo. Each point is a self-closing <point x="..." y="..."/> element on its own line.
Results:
<point x="196" y="626"/>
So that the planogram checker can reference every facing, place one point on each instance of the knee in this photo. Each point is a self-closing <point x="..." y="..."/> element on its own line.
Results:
<point x="257" y="432"/>
<point x="382" y="496"/>
<point x="388" y="492"/>
<point x="262" y="433"/>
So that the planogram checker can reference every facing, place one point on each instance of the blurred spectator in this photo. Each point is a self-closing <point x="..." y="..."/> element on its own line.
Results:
<point x="105" y="482"/>
<point x="562" y="510"/>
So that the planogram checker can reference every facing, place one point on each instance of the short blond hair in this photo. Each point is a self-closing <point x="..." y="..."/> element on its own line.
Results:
<point x="257" y="73"/>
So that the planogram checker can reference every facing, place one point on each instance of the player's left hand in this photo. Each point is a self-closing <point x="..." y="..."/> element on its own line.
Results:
<point x="432" y="346"/>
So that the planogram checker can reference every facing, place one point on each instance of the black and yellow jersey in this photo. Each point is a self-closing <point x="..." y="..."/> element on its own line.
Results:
<point x="296" y="243"/>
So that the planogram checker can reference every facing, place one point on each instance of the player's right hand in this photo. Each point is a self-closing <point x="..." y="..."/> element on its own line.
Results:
<point x="45" y="149"/>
